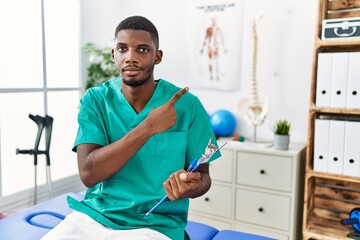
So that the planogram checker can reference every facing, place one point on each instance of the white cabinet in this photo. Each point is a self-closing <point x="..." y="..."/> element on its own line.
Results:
<point x="218" y="199"/>
<point x="256" y="190"/>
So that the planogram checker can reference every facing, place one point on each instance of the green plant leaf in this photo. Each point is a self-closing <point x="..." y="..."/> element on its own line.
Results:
<point x="102" y="67"/>
<point x="282" y="127"/>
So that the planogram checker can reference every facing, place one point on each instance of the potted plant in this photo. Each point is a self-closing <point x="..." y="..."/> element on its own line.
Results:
<point x="101" y="67"/>
<point x="281" y="130"/>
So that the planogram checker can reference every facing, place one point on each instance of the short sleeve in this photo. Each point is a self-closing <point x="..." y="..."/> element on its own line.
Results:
<point x="91" y="127"/>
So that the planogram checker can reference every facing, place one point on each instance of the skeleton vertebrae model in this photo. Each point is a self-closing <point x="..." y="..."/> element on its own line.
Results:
<point x="252" y="109"/>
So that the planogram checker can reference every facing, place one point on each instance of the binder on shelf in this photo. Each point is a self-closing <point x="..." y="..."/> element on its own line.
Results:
<point x="353" y="83"/>
<point x="352" y="149"/>
<point x="336" y="146"/>
<point x="321" y="145"/>
<point x="339" y="79"/>
<point x="323" y="80"/>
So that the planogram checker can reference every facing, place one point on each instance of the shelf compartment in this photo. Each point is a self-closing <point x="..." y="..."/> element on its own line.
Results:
<point x="336" y="9"/>
<point x="343" y="9"/>
<point x="314" y="113"/>
<point x="331" y="201"/>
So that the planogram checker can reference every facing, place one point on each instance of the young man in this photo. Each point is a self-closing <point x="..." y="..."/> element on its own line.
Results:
<point x="136" y="136"/>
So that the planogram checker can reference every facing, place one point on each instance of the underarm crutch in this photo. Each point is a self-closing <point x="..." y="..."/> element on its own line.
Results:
<point x="42" y="123"/>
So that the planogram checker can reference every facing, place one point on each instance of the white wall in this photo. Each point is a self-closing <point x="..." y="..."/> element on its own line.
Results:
<point x="286" y="38"/>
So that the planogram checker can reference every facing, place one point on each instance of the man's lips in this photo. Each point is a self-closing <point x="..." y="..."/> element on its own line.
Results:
<point x="132" y="70"/>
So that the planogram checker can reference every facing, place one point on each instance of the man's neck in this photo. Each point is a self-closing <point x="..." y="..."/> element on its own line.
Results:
<point x="139" y="96"/>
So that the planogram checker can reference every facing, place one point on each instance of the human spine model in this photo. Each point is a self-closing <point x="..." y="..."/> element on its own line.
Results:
<point x="252" y="109"/>
<point x="254" y="96"/>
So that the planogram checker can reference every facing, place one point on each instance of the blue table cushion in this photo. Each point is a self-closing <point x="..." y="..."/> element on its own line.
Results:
<point x="34" y="222"/>
<point x="25" y="224"/>
<point x="199" y="231"/>
<point x="233" y="235"/>
<point x="44" y="219"/>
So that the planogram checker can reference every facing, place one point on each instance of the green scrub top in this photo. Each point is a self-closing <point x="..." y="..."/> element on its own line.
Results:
<point x="122" y="201"/>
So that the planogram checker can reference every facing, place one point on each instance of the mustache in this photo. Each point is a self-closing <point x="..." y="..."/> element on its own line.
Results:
<point x="132" y="68"/>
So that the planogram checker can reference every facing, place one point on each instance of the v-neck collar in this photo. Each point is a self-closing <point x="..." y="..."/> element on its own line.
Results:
<point x="139" y="117"/>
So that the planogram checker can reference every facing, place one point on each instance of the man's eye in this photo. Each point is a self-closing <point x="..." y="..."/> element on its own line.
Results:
<point x="121" y="49"/>
<point x="143" y="50"/>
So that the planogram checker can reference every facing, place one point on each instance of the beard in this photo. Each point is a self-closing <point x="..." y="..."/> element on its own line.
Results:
<point x="135" y="82"/>
<point x="131" y="82"/>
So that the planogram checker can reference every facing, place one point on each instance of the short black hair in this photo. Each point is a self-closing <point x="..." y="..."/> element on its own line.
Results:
<point x="139" y="23"/>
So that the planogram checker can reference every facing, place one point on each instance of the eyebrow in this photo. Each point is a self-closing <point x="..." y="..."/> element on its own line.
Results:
<point x="142" y="45"/>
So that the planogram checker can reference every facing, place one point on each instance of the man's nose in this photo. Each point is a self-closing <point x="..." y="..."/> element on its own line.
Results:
<point x="131" y="56"/>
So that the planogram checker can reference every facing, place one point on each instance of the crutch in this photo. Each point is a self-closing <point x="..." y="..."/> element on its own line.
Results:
<point x="42" y="123"/>
<point x="48" y="130"/>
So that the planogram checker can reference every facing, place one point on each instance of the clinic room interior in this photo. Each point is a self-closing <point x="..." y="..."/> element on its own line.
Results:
<point x="279" y="80"/>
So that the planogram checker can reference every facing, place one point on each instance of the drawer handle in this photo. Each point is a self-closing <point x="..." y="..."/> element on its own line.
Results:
<point x="262" y="171"/>
<point x="261" y="209"/>
<point x="207" y="199"/>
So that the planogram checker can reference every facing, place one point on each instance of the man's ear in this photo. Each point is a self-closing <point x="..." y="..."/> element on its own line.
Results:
<point x="158" y="57"/>
<point x="112" y="55"/>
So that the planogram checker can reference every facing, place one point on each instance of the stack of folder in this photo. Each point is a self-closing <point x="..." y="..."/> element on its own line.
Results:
<point x="337" y="146"/>
<point x="338" y="80"/>
<point x="337" y="139"/>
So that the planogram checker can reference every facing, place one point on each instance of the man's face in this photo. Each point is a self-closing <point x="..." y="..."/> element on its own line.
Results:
<point x="135" y="55"/>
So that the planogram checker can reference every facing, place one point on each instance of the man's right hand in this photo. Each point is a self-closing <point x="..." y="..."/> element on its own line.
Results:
<point x="164" y="117"/>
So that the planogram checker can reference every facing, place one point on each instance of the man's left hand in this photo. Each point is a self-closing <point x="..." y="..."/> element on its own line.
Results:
<point x="181" y="184"/>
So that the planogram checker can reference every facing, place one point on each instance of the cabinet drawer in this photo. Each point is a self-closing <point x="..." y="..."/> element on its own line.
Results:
<point x="263" y="209"/>
<point x="217" y="202"/>
<point x="267" y="171"/>
<point x="222" y="168"/>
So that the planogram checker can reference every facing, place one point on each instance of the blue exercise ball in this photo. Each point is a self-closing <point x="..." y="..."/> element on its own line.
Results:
<point x="223" y="123"/>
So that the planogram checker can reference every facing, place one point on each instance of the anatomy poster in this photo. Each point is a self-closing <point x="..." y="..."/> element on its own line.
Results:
<point x="214" y="38"/>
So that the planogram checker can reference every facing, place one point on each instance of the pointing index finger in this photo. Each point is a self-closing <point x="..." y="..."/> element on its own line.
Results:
<point x="178" y="95"/>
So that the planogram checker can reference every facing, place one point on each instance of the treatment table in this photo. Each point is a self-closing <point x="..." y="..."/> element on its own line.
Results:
<point x="34" y="222"/>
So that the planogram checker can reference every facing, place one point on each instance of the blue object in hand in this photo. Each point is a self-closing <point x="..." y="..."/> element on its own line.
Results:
<point x="194" y="165"/>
